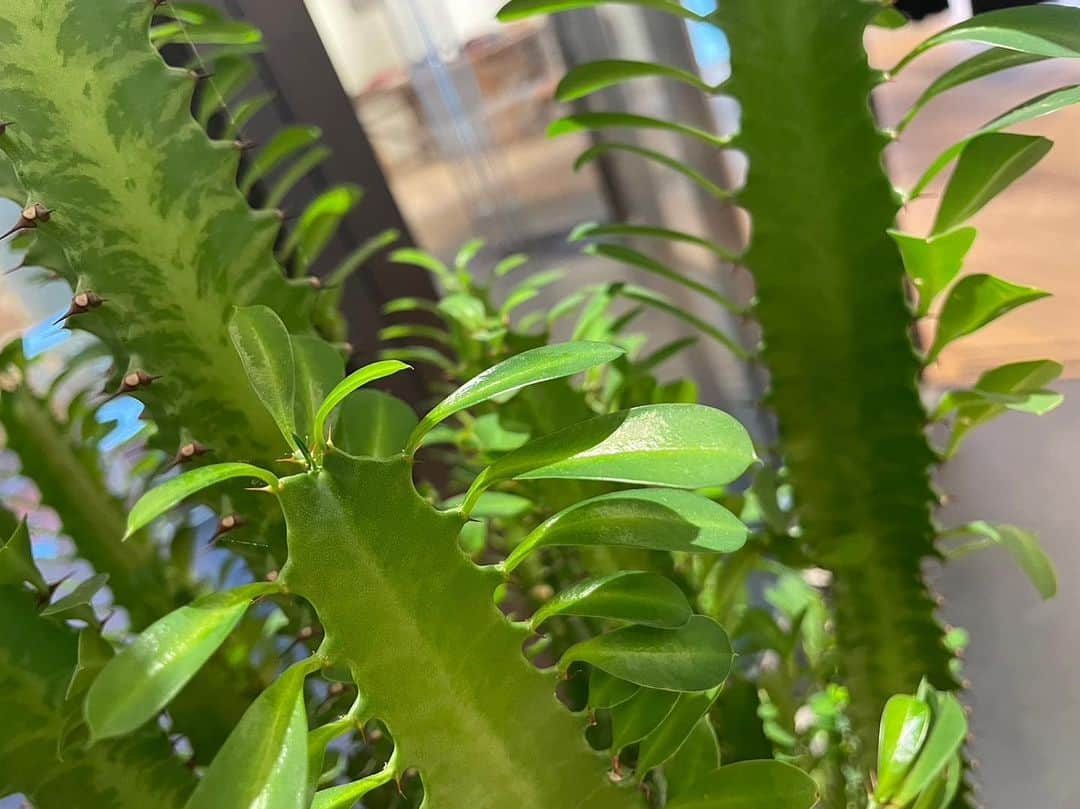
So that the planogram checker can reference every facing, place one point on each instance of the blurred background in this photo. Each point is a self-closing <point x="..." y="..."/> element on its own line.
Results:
<point x="440" y="113"/>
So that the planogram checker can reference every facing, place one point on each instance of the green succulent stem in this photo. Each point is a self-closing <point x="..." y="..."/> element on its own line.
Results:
<point x="836" y="326"/>
<point x="415" y="622"/>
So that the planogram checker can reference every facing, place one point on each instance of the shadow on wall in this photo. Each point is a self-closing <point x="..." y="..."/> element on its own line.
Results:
<point x="1022" y="661"/>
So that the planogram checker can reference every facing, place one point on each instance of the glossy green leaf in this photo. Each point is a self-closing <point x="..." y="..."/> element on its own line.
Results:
<point x="509" y="264"/>
<point x="905" y="725"/>
<point x="243" y="112"/>
<point x="639" y="716"/>
<point x="78" y="603"/>
<point x="528" y="368"/>
<point x="318" y="740"/>
<point x="319" y="366"/>
<point x="751" y="785"/>
<point x="585" y="79"/>
<point x="141" y="680"/>
<point x="942" y="791"/>
<point x="319" y="222"/>
<point x="684" y="446"/>
<point x="947" y="732"/>
<point x="494" y="505"/>
<point x="174" y="491"/>
<point x="689" y="172"/>
<point x="677" y="727"/>
<point x="985" y="63"/>
<point x="264" y="346"/>
<point x="694" y="657"/>
<point x="287" y="142"/>
<point x="1031" y="109"/>
<point x="1026" y="551"/>
<point x="697" y="758"/>
<point x="987" y="165"/>
<point x="346" y="795"/>
<point x="17" y="561"/>
<point x="494" y="436"/>
<point x="975" y="301"/>
<point x="373" y="424"/>
<point x="657" y="519"/>
<point x="596" y="121"/>
<point x="263" y="764"/>
<point x="350" y="384"/>
<point x="522" y="9"/>
<point x="296" y="171"/>
<point x="591" y="230"/>
<point x="633" y="258"/>
<point x="1050" y="31"/>
<point x="638" y="597"/>
<point x="933" y="263"/>
<point x="606" y="691"/>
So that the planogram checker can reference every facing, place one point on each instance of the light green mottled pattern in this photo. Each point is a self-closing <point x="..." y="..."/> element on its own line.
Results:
<point x="37" y="657"/>
<point x="146" y="209"/>
<point x="414" y="620"/>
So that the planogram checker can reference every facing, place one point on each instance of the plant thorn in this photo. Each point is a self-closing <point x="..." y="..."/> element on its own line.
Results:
<point x="82" y="303"/>
<point x="228" y="523"/>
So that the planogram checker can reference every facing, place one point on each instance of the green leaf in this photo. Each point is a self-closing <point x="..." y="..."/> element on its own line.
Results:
<point x="985" y="63"/>
<point x="1025" y="549"/>
<point x="1050" y="31"/>
<point x="172" y="492"/>
<point x="319" y="222"/>
<point x="77" y="603"/>
<point x="890" y="18"/>
<point x="373" y="424"/>
<point x="697" y="177"/>
<point x="947" y="733"/>
<point x="694" y="657"/>
<point x="751" y="785"/>
<point x="509" y="264"/>
<point x="905" y="725"/>
<point x="684" y="446"/>
<point x="633" y="258"/>
<point x="940" y="793"/>
<point x="933" y="263"/>
<point x="494" y="505"/>
<point x="975" y="301"/>
<point x="522" y="9"/>
<point x="17" y="561"/>
<point x="346" y="795"/>
<point x="595" y="121"/>
<point x="470" y="250"/>
<point x="319" y="366"/>
<point x="591" y="230"/>
<point x="698" y="756"/>
<point x="663" y="742"/>
<point x="243" y="112"/>
<point x="224" y="32"/>
<point x="263" y="764"/>
<point x="1015" y="386"/>
<point x="425" y="261"/>
<point x="639" y="716"/>
<point x="264" y="346"/>
<point x="528" y="368"/>
<point x="664" y="304"/>
<point x="284" y="144"/>
<point x="230" y="76"/>
<point x="638" y="597"/>
<point x="141" y="680"/>
<point x="494" y="436"/>
<point x="350" y="384"/>
<point x="657" y="519"/>
<point x="299" y="169"/>
<point x="606" y="691"/>
<point x="1037" y="107"/>
<point x="585" y="79"/>
<point x="987" y="165"/>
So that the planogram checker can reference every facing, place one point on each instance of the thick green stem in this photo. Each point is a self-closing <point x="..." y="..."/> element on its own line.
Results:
<point x="415" y="622"/>
<point x="836" y="326"/>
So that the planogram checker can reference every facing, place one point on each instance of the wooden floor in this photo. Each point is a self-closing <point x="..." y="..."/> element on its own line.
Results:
<point x="1031" y="233"/>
